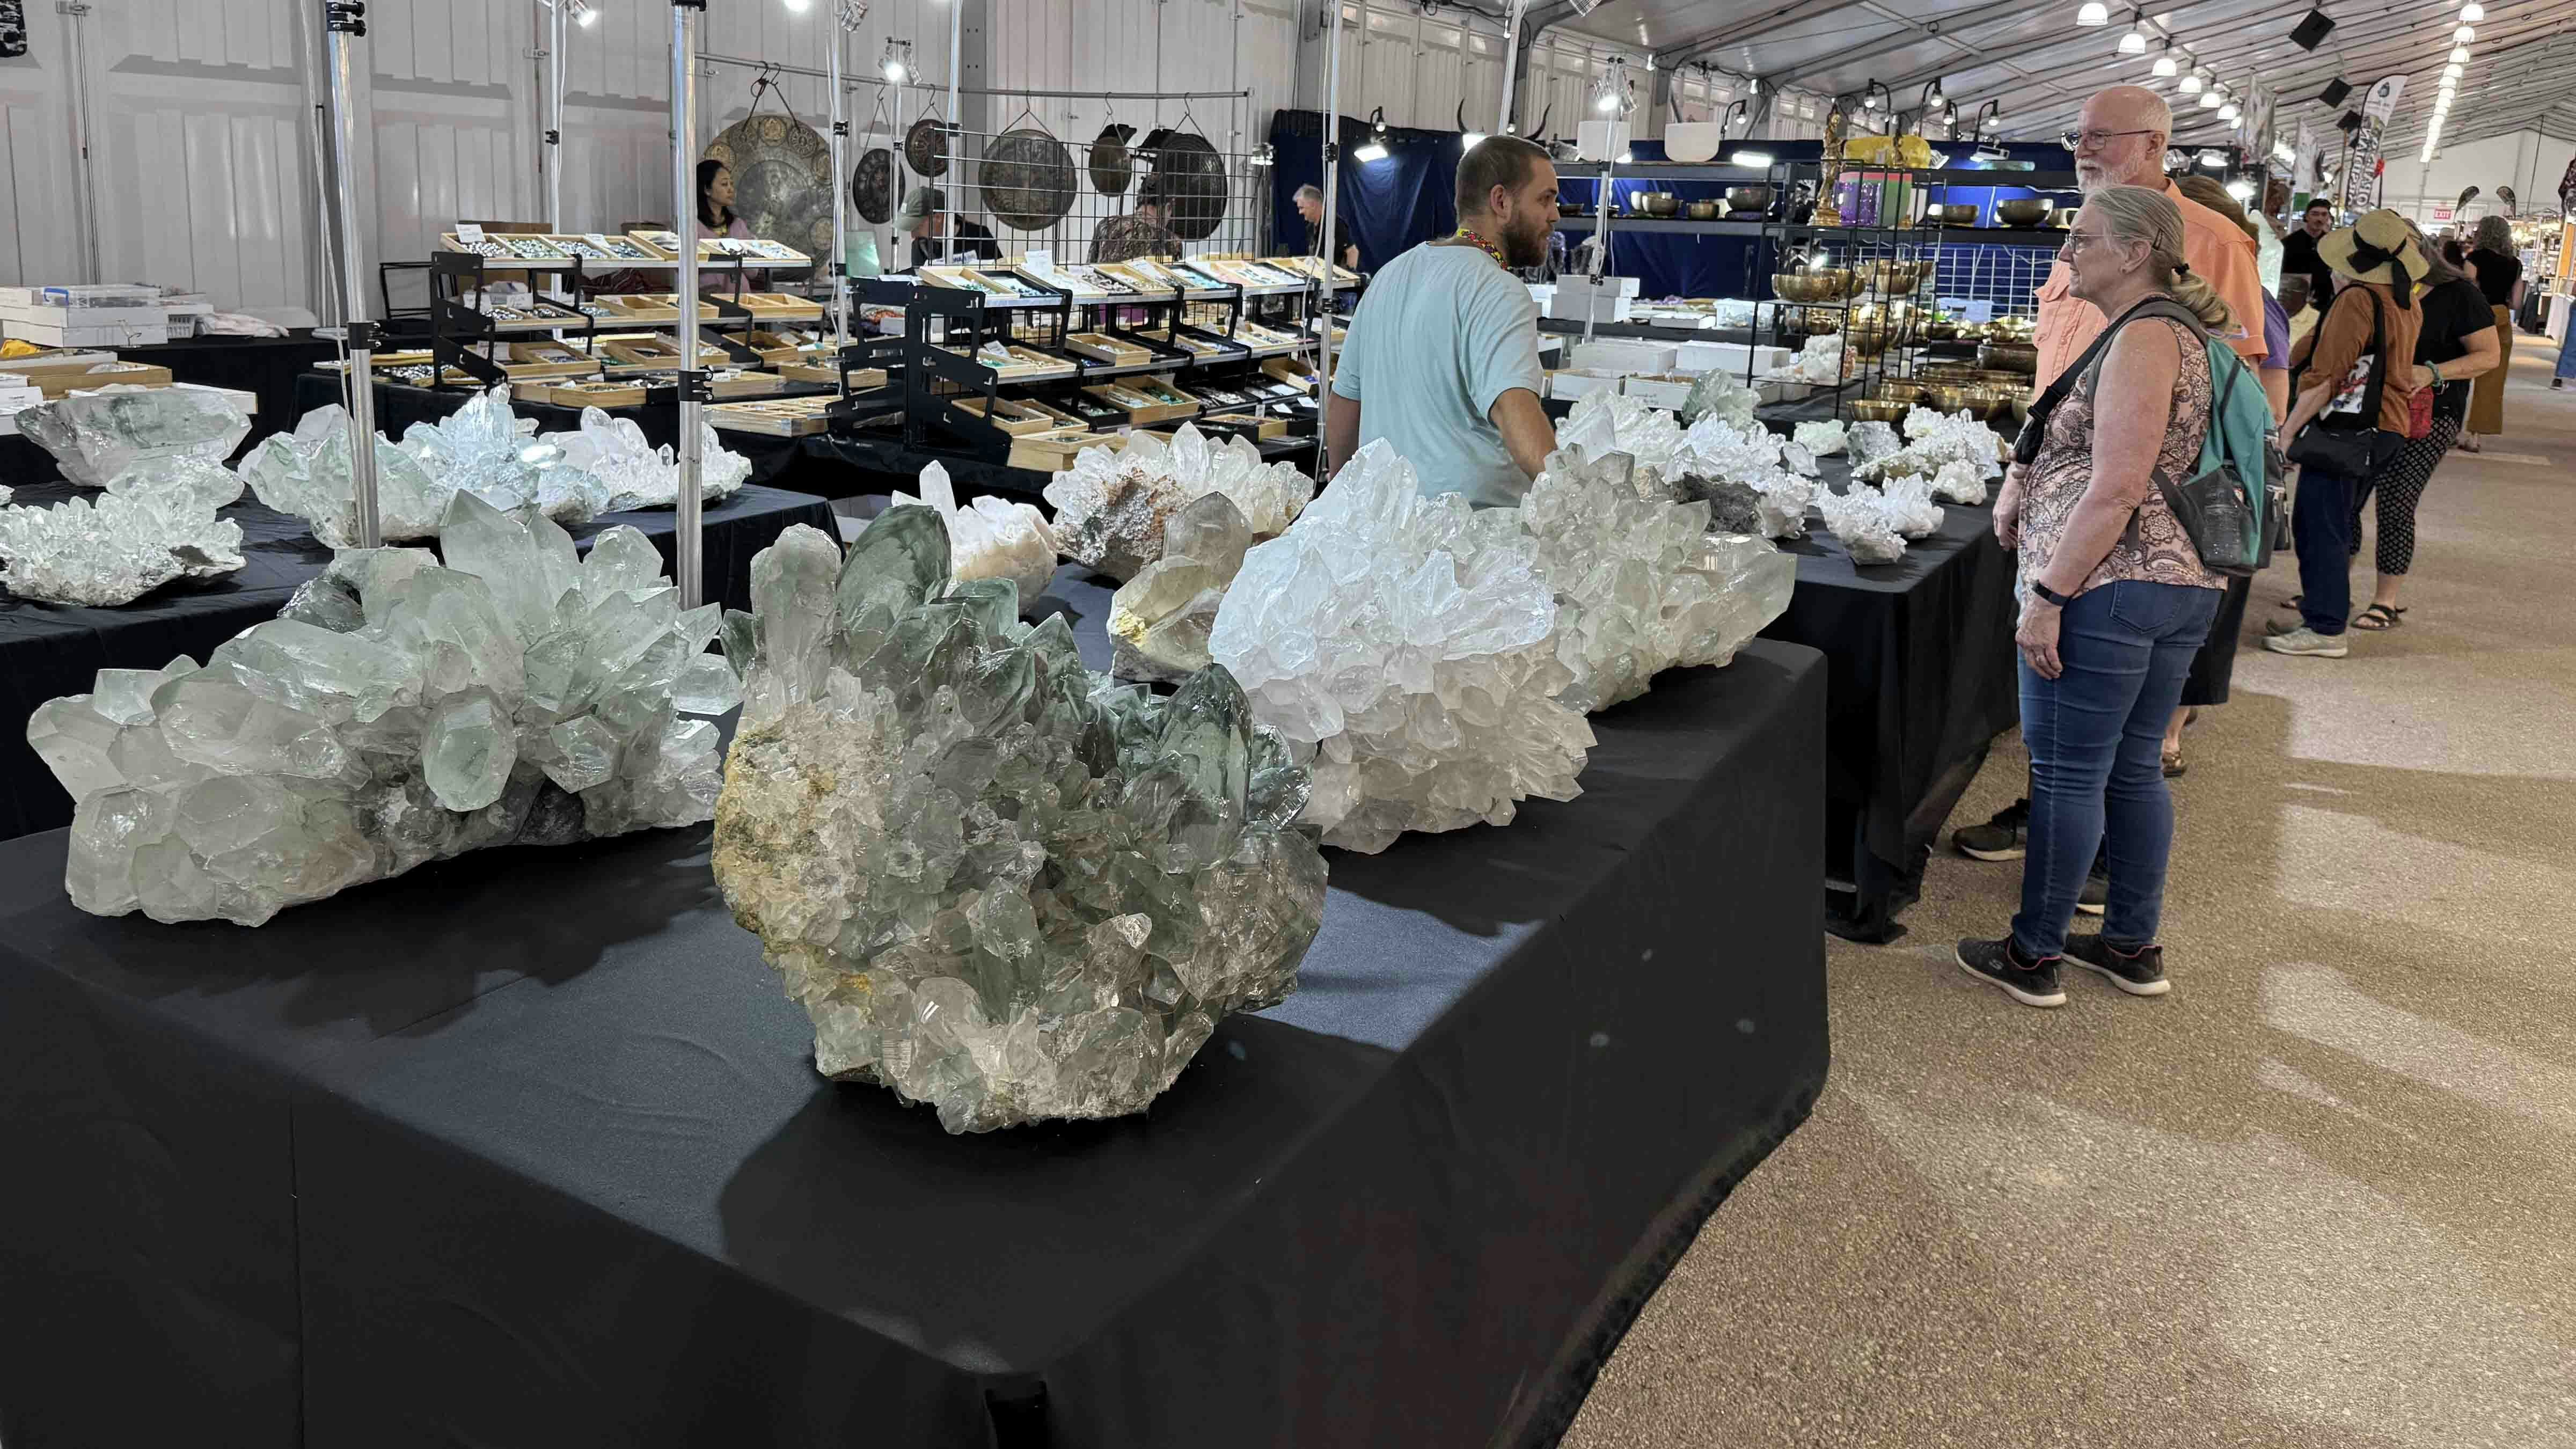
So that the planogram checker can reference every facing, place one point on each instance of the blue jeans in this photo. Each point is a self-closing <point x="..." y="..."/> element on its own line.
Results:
<point x="2321" y="528"/>
<point x="2567" y="351"/>
<point x="2096" y="738"/>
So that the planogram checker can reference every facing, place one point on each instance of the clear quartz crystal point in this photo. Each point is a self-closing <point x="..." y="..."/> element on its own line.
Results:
<point x="1642" y="586"/>
<point x="1159" y="620"/>
<point x="1114" y="505"/>
<point x="1408" y="643"/>
<point x="999" y="884"/>
<point x="990" y="538"/>
<point x="398" y="712"/>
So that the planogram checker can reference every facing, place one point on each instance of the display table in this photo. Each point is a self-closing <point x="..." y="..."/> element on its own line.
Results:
<point x="266" y="366"/>
<point x="527" y="1148"/>
<point x="49" y="650"/>
<point x="1921" y="670"/>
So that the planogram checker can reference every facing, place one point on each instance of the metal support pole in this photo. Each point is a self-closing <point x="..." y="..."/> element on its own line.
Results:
<point x="1511" y="64"/>
<point x="956" y="37"/>
<point x="1324" y="460"/>
<point x="688" y="526"/>
<point x="894" y="260"/>
<point x="555" y="34"/>
<point x="842" y="21"/>
<point x="342" y="22"/>
<point x="1601" y="248"/>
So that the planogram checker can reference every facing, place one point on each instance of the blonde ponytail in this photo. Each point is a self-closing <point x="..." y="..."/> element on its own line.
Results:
<point x="2134" y="213"/>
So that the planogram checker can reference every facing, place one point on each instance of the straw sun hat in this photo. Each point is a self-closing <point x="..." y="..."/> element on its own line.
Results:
<point x="2378" y="247"/>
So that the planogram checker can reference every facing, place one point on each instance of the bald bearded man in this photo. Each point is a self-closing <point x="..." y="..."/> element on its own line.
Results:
<point x="2121" y="141"/>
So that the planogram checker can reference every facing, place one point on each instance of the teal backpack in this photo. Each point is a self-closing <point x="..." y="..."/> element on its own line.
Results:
<point x="2234" y="505"/>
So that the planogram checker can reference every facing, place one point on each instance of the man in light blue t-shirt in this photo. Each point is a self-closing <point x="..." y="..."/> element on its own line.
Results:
<point x="1442" y="360"/>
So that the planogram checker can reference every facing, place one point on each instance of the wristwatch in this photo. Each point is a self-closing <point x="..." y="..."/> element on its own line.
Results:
<point x="2052" y="595"/>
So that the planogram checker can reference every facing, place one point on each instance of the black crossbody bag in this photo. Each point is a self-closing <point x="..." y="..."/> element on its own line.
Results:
<point x="2353" y="444"/>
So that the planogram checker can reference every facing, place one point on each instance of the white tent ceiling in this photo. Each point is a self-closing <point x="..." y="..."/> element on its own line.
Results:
<point x="2031" y="56"/>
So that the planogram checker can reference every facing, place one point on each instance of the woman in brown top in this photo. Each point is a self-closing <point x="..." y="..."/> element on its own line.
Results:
<point x="2115" y="602"/>
<point x="2377" y="265"/>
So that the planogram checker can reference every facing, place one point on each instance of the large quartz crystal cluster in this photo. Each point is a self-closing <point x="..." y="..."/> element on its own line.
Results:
<point x="1822" y="438"/>
<point x="1642" y="586"/>
<point x="1159" y="620"/>
<point x="117" y="549"/>
<point x="1409" y="642"/>
<point x="1751" y="480"/>
<point x="991" y="538"/>
<point x="1956" y="454"/>
<point x="640" y="475"/>
<point x="1112" y="505"/>
<point x="398" y="712"/>
<point x="998" y="883"/>
<point x="94" y="436"/>
<point x="480" y="449"/>
<point x="1607" y="422"/>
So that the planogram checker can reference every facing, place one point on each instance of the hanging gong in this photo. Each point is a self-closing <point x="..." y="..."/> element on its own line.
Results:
<point x="870" y="183"/>
<point x="926" y="146"/>
<point x="782" y="180"/>
<point x="1193" y="178"/>
<point x="1028" y="179"/>
<point x="1111" y="165"/>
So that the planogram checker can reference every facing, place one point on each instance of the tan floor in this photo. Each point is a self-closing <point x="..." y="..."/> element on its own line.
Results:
<point x="2324" y="1194"/>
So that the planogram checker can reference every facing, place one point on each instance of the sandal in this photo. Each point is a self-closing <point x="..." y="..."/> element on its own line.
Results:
<point x="2377" y="618"/>
<point x="2173" y="763"/>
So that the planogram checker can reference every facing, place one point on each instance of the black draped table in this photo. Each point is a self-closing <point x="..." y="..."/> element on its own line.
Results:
<point x="49" y="650"/>
<point x="1921" y="679"/>
<point x="527" y="1148"/>
<point x="264" y="366"/>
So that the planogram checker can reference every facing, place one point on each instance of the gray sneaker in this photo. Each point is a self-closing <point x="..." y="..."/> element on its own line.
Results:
<point x="2308" y="643"/>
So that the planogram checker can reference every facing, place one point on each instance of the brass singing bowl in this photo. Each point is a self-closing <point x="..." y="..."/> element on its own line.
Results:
<point x="2020" y="357"/>
<point x="1961" y="397"/>
<point x="1824" y="286"/>
<point x="2022" y="211"/>
<point x="1878" y="410"/>
<point x="1896" y="390"/>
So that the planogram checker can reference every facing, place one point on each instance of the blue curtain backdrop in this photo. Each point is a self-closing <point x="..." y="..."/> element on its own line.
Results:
<point x="1404" y="200"/>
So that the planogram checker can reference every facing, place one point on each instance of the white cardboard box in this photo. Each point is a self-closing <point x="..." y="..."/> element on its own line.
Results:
<point x="1574" y="382"/>
<point x="47" y="335"/>
<point x="1661" y="392"/>
<point x="1732" y="356"/>
<point x="1577" y="299"/>
<point x="1620" y="354"/>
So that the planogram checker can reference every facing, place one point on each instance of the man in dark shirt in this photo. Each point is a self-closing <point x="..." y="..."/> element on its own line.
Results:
<point x="2299" y="252"/>
<point x="926" y="218"/>
<point x="1143" y="232"/>
<point x="1310" y="205"/>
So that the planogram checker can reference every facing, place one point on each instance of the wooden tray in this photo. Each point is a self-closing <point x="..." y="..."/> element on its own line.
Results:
<point x="747" y="384"/>
<point x="546" y="359"/>
<point x="782" y="307"/>
<point x="580" y="395"/>
<point x="1105" y="348"/>
<point x="786" y="417"/>
<point x="1167" y="405"/>
<point x="829" y="374"/>
<point x="1245" y="425"/>
<point x="1289" y="370"/>
<point x="1014" y="417"/>
<point x="1055" y="452"/>
<point x="61" y="378"/>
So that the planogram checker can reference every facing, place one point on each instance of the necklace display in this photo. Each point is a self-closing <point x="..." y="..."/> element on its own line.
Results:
<point x="1482" y="245"/>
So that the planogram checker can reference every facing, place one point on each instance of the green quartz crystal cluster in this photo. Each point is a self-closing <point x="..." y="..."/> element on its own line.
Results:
<point x="998" y="883"/>
<point x="398" y="712"/>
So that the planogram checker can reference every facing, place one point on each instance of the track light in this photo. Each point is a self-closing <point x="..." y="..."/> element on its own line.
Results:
<point x="582" y="14"/>
<point x="1370" y="152"/>
<point x="2165" y="67"/>
<point x="2093" y="12"/>
<point x="893" y="60"/>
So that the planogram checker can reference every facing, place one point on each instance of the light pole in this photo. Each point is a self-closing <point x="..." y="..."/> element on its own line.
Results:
<point x="687" y="525"/>
<point x="342" y="22"/>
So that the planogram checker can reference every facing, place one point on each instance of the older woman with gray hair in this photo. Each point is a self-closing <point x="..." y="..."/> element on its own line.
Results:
<point x="2497" y="270"/>
<point x="2115" y="600"/>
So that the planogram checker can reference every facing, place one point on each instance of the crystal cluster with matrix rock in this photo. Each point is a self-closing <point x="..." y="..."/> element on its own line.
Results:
<point x="398" y="712"/>
<point x="1112" y="505"/>
<point x="998" y="883"/>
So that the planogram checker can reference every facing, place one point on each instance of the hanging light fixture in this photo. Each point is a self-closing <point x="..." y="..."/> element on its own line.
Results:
<point x="1374" y="149"/>
<point x="2192" y="83"/>
<point x="582" y="14"/>
<point x="2460" y="54"/>
<point x="891" y="61"/>
<point x="2093" y="12"/>
<point x="1876" y="97"/>
<point x="2228" y="112"/>
<point x="2453" y="72"/>
<point x="2464" y="35"/>
<point x="2209" y="100"/>
<point x="2165" y="67"/>
<point x="2473" y="12"/>
<point x="2135" y="41"/>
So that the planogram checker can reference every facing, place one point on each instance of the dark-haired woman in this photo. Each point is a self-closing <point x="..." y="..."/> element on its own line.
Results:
<point x="717" y="218"/>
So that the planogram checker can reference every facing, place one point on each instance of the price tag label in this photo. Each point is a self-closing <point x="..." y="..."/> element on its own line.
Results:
<point x="467" y="231"/>
<point x="1042" y="259"/>
<point x="597" y="239"/>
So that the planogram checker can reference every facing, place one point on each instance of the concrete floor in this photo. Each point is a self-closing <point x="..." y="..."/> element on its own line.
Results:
<point x="2322" y="1195"/>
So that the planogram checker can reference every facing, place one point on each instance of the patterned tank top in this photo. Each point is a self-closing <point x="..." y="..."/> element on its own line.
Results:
<point x="2153" y="548"/>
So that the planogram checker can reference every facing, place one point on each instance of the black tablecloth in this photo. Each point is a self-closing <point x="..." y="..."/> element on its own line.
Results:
<point x="49" y="650"/>
<point x="527" y="1149"/>
<point x="266" y="366"/>
<point x="1921" y="677"/>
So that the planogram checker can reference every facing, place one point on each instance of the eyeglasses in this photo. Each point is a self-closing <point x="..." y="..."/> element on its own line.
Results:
<point x="2094" y="140"/>
<point x="2077" y="241"/>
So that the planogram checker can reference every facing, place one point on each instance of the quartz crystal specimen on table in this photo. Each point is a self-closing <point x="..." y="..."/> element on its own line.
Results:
<point x="1112" y="505"/>
<point x="117" y="549"/>
<point x="306" y="473"/>
<point x="94" y="436"/>
<point x="397" y="712"/>
<point x="1952" y="456"/>
<point x="1642" y="586"/>
<point x="1751" y="480"/>
<point x="483" y="449"/>
<point x="990" y="538"/>
<point x="1719" y="394"/>
<point x="1822" y="438"/>
<point x="1859" y="517"/>
<point x="1408" y="643"/>
<point x="1866" y="442"/>
<point x="998" y="883"/>
<point x="1958" y="481"/>
<point x="640" y="475"/>
<point x="1159" y="620"/>
<point x="1611" y="422"/>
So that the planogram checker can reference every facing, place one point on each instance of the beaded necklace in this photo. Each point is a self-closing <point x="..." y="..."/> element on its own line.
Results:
<point x="1482" y="245"/>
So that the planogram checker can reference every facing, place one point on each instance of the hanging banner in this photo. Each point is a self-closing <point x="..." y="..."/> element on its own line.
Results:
<point x="2383" y="98"/>
<point x="2303" y="161"/>
<point x="2258" y="122"/>
<point x="2362" y="168"/>
<point x="13" y="29"/>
